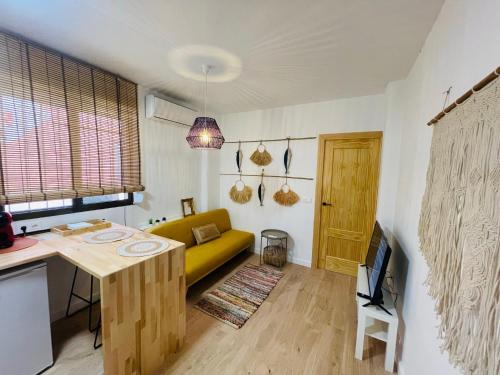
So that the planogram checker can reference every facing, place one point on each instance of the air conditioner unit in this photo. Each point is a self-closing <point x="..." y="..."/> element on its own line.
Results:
<point x="164" y="110"/>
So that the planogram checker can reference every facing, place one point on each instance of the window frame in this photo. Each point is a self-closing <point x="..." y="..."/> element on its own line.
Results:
<point x="77" y="206"/>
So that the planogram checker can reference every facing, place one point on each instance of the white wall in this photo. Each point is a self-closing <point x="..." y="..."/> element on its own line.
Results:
<point x="461" y="49"/>
<point x="170" y="171"/>
<point x="346" y="115"/>
<point x="209" y="200"/>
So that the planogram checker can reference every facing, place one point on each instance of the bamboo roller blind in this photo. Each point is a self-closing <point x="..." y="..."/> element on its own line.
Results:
<point x="67" y="129"/>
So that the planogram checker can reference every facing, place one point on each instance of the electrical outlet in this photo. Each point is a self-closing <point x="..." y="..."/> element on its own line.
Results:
<point x="30" y="227"/>
<point x="307" y="199"/>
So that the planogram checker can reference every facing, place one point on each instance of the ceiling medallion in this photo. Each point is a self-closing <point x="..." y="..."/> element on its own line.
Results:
<point x="186" y="61"/>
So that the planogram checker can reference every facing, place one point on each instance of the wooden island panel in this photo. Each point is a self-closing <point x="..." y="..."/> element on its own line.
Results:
<point x="143" y="299"/>
<point x="144" y="314"/>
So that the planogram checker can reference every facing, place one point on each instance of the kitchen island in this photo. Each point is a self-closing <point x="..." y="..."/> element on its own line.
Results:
<point x="143" y="308"/>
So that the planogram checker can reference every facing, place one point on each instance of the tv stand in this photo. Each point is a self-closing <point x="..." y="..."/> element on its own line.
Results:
<point x="377" y="304"/>
<point x="376" y="320"/>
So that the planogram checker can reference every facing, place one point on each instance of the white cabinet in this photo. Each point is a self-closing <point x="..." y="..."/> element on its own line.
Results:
<point x="25" y="338"/>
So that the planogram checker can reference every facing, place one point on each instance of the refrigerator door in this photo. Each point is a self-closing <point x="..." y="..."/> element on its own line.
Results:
<point x="25" y="338"/>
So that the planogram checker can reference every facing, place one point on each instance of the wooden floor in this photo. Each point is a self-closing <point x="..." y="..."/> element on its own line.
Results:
<point x="306" y="326"/>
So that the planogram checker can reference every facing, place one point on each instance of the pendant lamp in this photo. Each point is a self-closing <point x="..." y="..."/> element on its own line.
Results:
<point x="205" y="132"/>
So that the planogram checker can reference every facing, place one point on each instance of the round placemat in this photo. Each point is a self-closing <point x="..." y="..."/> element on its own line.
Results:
<point x="106" y="236"/>
<point x="141" y="248"/>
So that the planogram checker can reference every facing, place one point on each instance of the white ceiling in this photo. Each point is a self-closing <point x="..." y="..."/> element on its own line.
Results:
<point x="291" y="51"/>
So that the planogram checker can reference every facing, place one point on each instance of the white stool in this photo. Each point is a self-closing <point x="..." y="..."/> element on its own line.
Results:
<point x="374" y="322"/>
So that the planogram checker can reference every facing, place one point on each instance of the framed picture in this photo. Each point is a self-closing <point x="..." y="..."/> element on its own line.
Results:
<point x="187" y="206"/>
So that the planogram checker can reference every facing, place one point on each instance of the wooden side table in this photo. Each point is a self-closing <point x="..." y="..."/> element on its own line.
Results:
<point x="374" y="322"/>
<point x="276" y="249"/>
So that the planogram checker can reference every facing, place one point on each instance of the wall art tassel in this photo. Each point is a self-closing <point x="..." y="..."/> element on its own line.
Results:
<point x="287" y="159"/>
<point x="261" y="191"/>
<point x="261" y="156"/>
<point x="239" y="157"/>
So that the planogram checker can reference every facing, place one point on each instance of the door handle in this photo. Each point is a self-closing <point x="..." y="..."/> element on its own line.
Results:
<point x="326" y="204"/>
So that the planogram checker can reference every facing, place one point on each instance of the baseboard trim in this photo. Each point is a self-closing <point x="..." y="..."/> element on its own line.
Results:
<point x="300" y="262"/>
<point x="401" y="370"/>
<point x="291" y="259"/>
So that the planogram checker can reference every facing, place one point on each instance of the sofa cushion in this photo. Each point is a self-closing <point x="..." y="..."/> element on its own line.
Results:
<point x="206" y="233"/>
<point x="181" y="230"/>
<point x="204" y="258"/>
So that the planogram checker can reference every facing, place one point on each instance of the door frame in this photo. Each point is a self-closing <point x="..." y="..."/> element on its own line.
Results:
<point x="322" y="139"/>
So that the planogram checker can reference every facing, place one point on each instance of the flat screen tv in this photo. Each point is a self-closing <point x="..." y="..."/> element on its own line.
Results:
<point x="377" y="259"/>
<point x="377" y="235"/>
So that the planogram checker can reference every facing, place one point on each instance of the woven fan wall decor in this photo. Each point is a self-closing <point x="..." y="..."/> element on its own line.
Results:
<point x="286" y="196"/>
<point x="240" y="193"/>
<point x="261" y="156"/>
<point x="459" y="230"/>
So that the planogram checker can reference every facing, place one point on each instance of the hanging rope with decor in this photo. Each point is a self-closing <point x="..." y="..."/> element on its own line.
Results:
<point x="273" y="140"/>
<point x="459" y="227"/>
<point x="477" y="87"/>
<point x="267" y="176"/>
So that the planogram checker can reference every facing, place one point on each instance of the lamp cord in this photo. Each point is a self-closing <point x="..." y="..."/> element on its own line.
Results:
<point x="206" y="89"/>
<point x="205" y="70"/>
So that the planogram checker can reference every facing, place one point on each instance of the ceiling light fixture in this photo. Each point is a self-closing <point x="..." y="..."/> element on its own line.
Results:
<point x="205" y="132"/>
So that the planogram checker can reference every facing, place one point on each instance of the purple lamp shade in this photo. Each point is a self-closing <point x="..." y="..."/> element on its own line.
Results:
<point x="205" y="133"/>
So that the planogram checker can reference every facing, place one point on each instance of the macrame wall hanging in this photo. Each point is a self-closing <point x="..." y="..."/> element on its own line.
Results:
<point x="459" y="228"/>
<point x="261" y="156"/>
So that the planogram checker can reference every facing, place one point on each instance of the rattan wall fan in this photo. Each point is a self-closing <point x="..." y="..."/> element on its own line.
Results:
<point x="285" y="196"/>
<point x="261" y="156"/>
<point x="240" y="192"/>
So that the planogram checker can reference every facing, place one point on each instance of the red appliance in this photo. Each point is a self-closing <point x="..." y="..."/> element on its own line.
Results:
<point x="6" y="232"/>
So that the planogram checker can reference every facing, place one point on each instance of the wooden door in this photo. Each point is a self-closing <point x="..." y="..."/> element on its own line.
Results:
<point x="346" y="199"/>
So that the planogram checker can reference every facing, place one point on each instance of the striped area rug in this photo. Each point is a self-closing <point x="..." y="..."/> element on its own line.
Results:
<point x="240" y="296"/>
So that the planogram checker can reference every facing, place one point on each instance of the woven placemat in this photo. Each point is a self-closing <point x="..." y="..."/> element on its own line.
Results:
<point x="107" y="236"/>
<point x="141" y="248"/>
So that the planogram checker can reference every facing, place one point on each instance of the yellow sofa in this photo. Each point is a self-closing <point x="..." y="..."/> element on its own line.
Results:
<point x="203" y="259"/>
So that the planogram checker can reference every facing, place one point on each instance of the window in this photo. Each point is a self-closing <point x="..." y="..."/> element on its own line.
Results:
<point x="104" y="198"/>
<point x="31" y="210"/>
<point x="16" y="208"/>
<point x="68" y="131"/>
